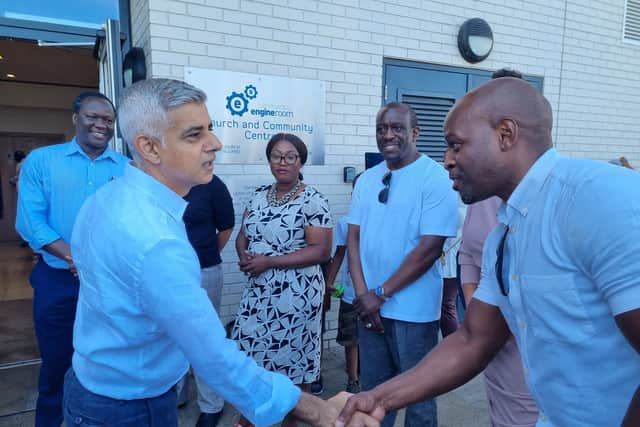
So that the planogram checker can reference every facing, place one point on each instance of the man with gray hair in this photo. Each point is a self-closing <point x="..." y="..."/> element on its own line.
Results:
<point x="142" y="316"/>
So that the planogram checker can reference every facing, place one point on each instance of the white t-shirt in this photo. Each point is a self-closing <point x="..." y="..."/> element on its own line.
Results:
<point x="340" y="239"/>
<point x="421" y="202"/>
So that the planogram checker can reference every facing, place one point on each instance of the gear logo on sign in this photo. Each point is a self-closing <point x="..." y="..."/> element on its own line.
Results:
<point x="238" y="102"/>
<point x="251" y="92"/>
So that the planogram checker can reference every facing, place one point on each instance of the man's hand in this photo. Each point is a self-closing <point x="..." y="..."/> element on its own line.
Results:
<point x="374" y="323"/>
<point x="72" y="265"/>
<point x="367" y="304"/>
<point x="358" y="419"/>
<point x="319" y="413"/>
<point x="365" y="403"/>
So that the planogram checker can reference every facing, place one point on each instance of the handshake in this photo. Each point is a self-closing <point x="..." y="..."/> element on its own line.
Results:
<point x="321" y="413"/>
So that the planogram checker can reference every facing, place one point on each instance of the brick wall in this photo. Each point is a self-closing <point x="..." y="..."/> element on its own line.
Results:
<point x="590" y="76"/>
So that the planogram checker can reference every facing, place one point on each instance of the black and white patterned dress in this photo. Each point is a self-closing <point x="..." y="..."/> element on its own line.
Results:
<point x="278" y="321"/>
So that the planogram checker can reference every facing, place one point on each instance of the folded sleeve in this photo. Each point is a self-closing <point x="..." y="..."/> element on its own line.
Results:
<point x="605" y="241"/>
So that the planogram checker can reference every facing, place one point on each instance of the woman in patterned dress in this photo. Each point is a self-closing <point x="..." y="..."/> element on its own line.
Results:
<point x="285" y="235"/>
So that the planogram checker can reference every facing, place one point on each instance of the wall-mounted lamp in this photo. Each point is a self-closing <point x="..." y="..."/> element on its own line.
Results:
<point x="475" y="40"/>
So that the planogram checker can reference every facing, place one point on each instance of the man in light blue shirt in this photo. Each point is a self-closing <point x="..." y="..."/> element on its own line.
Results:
<point x="560" y="271"/>
<point x="402" y="210"/>
<point x="54" y="182"/>
<point x="142" y="316"/>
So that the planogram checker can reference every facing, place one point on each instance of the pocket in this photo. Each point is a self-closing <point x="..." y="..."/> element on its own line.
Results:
<point x="76" y="418"/>
<point x="554" y="310"/>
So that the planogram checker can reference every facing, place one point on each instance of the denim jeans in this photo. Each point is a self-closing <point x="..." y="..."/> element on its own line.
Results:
<point x="399" y="349"/>
<point x="55" y="296"/>
<point x="84" y="408"/>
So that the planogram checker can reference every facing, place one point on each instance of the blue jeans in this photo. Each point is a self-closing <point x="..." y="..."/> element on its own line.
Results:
<point x="55" y="295"/>
<point x="399" y="349"/>
<point x="84" y="408"/>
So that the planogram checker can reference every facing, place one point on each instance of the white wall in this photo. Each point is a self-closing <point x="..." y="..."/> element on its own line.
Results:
<point x="590" y="76"/>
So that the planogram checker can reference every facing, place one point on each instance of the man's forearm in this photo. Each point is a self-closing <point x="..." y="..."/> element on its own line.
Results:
<point x="419" y="260"/>
<point x="353" y="259"/>
<point x="58" y="248"/>
<point x="310" y="409"/>
<point x="468" y="289"/>
<point x="451" y="364"/>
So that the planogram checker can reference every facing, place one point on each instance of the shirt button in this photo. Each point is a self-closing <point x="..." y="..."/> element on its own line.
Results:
<point x="543" y="417"/>
<point x="512" y="230"/>
<point x="78" y="420"/>
<point x="526" y="372"/>
<point x="522" y="323"/>
<point x="514" y="277"/>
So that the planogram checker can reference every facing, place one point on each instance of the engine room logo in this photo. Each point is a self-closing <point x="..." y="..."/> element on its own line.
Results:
<point x="238" y="102"/>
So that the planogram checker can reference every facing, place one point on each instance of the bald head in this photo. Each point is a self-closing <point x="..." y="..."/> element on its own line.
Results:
<point x="495" y="133"/>
<point x="509" y="98"/>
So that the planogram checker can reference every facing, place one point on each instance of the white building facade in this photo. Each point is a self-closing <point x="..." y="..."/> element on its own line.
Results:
<point x="575" y="49"/>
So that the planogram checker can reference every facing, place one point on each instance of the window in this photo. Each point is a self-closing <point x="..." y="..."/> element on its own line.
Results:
<point x="631" y="27"/>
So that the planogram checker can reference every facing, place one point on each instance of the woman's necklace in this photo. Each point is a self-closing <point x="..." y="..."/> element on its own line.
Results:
<point x="274" y="202"/>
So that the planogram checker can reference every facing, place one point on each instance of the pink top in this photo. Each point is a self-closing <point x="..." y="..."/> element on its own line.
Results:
<point x="480" y="220"/>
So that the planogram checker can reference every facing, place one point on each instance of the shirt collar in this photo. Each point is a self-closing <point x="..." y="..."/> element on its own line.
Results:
<point x="529" y="187"/>
<point x="74" y="148"/>
<point x="166" y="198"/>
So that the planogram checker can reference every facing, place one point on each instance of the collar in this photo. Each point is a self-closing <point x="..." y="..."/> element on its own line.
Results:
<point x="74" y="148"/>
<point x="529" y="187"/>
<point x="166" y="198"/>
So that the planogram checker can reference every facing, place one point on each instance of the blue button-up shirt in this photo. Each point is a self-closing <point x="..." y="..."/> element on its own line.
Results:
<point x="54" y="182"/>
<point x="571" y="263"/>
<point x="142" y="313"/>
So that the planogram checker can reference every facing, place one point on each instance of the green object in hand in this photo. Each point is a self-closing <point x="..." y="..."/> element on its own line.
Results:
<point x="339" y="290"/>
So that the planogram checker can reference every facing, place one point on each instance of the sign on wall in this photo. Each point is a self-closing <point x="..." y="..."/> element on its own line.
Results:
<point x="248" y="109"/>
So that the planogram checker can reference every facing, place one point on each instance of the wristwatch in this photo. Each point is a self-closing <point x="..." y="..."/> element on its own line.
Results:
<point x="380" y="293"/>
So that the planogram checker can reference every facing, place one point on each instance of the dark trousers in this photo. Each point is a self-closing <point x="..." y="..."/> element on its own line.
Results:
<point x="398" y="349"/>
<point x="84" y="408"/>
<point x="54" y="310"/>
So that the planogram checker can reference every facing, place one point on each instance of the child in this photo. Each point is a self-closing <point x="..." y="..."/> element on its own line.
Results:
<point x="347" y="316"/>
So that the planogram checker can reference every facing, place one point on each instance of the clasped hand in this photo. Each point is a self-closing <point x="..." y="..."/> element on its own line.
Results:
<point x="368" y="308"/>
<point x="253" y="264"/>
<point x="322" y="413"/>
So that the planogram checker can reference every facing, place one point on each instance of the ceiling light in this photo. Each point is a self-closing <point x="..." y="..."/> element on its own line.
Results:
<point x="11" y="76"/>
<point x="1" y="57"/>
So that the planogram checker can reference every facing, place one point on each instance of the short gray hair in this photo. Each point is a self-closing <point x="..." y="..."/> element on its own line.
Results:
<point x="144" y="107"/>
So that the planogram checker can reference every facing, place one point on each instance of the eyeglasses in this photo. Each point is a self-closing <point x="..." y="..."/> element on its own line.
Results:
<point x="504" y="286"/>
<point x="383" y="196"/>
<point x="289" y="158"/>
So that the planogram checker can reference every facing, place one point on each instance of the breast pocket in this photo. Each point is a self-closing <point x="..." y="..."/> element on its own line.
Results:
<point x="554" y="310"/>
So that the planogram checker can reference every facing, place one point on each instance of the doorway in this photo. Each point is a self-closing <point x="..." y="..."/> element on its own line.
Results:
<point x="35" y="111"/>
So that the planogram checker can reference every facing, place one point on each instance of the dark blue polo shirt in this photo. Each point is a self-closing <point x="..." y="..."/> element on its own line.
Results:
<point x="210" y="210"/>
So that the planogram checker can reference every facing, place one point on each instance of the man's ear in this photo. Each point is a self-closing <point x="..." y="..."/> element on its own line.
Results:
<point x="74" y="118"/>
<point x="507" y="133"/>
<point x="415" y="132"/>
<point x="147" y="148"/>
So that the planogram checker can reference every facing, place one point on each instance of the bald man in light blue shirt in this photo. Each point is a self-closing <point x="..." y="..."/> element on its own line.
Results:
<point x="560" y="272"/>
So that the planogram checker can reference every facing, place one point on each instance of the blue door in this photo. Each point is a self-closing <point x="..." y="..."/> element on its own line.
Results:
<point x="431" y="90"/>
